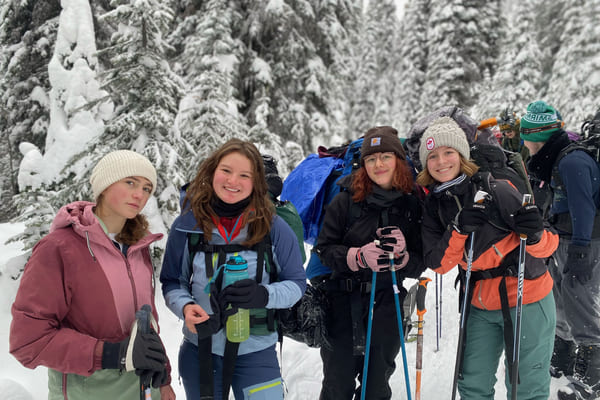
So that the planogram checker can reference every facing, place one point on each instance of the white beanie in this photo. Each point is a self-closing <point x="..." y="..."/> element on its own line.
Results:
<point x="118" y="165"/>
<point x="444" y="131"/>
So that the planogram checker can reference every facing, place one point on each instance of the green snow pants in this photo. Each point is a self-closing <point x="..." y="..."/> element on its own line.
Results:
<point x="485" y="343"/>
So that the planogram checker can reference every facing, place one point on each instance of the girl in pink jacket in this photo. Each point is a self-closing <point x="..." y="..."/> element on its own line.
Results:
<point x="75" y="310"/>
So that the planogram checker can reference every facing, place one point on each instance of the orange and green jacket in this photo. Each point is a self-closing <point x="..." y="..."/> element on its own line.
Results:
<point x="444" y="247"/>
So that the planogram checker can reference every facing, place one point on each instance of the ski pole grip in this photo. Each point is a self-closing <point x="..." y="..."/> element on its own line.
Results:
<point x="143" y="317"/>
<point x="525" y="201"/>
<point x="421" y="291"/>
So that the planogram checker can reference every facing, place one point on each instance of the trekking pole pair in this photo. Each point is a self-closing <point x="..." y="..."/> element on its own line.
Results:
<point x="370" y="326"/>
<point x="514" y="379"/>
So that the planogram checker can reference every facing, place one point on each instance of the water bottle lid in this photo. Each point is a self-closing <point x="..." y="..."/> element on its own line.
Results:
<point x="236" y="263"/>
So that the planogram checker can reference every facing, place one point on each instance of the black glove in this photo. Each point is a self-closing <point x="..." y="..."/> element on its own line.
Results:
<point x="579" y="265"/>
<point x="245" y="294"/>
<point x="217" y="318"/>
<point x="140" y="351"/>
<point x="528" y="221"/>
<point x="470" y="218"/>
<point x="158" y="378"/>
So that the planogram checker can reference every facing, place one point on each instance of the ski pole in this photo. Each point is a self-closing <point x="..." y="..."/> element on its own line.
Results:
<point x="437" y="316"/>
<point x="421" y="291"/>
<point x="464" y="309"/>
<point x="480" y="197"/>
<point x="514" y="379"/>
<point x="399" y="318"/>
<point x="441" y="302"/>
<point x="363" y="389"/>
<point x="143" y="326"/>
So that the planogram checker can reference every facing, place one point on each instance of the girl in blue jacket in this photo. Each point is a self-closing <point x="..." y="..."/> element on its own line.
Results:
<point x="226" y="211"/>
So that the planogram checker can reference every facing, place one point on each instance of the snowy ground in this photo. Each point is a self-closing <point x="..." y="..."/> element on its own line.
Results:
<point x="301" y="365"/>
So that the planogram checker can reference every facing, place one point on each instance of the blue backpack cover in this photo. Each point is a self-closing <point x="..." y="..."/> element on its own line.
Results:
<point x="312" y="185"/>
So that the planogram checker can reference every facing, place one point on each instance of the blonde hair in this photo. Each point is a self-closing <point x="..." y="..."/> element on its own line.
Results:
<point x="200" y="193"/>
<point x="467" y="167"/>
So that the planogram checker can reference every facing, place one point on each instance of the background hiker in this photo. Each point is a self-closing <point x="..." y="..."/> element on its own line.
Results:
<point x="574" y="178"/>
<point x="511" y="139"/>
<point x="228" y="206"/>
<point x="82" y="286"/>
<point x="449" y="218"/>
<point x="379" y="194"/>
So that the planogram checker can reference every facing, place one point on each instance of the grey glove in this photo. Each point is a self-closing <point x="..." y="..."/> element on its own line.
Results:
<point x="579" y="265"/>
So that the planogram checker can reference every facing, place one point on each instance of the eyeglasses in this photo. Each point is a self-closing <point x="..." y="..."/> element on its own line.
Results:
<point x="383" y="157"/>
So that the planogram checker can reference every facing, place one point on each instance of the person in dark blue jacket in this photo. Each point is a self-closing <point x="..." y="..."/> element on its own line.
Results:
<point x="226" y="211"/>
<point x="574" y="178"/>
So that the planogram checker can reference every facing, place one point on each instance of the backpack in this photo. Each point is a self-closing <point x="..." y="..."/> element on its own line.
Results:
<point x="313" y="183"/>
<point x="285" y="209"/>
<point x="486" y="152"/>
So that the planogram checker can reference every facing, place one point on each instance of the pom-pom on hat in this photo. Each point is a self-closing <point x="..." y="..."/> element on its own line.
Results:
<point x="444" y="131"/>
<point x="118" y="165"/>
<point x="540" y="122"/>
<point x="381" y="139"/>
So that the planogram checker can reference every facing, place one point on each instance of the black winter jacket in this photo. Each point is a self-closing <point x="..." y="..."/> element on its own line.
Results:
<point x="347" y="224"/>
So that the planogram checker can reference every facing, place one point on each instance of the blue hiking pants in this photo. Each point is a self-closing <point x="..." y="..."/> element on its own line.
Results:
<point x="485" y="343"/>
<point x="256" y="375"/>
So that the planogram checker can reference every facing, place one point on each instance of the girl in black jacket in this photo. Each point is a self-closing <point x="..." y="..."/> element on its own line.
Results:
<point x="381" y="193"/>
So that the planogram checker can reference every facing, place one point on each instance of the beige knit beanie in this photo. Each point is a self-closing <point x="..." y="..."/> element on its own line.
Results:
<point x="118" y="165"/>
<point x="443" y="131"/>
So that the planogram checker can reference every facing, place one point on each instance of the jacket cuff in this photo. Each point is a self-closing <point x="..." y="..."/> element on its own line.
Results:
<point x="98" y="349"/>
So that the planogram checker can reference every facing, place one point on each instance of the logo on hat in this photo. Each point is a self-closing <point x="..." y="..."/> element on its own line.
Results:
<point x="430" y="143"/>
<point x="376" y="141"/>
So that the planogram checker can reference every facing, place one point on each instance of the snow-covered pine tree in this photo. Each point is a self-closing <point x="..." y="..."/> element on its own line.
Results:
<point x="27" y="34"/>
<point x="209" y="113"/>
<point x="282" y="36"/>
<point x="573" y="90"/>
<point x="373" y="99"/>
<point x="78" y="107"/>
<point x="412" y="64"/>
<point x="518" y="80"/>
<point x="461" y="45"/>
<point x="146" y="93"/>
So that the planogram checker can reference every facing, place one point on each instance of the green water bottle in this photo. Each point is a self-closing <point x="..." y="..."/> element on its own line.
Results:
<point x="238" y="324"/>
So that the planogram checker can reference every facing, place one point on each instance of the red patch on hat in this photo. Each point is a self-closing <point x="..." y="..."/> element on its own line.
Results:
<point x="430" y="143"/>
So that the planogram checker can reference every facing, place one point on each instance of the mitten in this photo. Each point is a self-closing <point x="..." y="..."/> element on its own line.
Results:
<point x="579" y="265"/>
<point x="246" y="293"/>
<point x="528" y="221"/>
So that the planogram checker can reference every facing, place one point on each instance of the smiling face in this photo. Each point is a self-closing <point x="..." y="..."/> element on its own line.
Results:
<point x="232" y="180"/>
<point x="123" y="200"/>
<point x="443" y="164"/>
<point x="380" y="168"/>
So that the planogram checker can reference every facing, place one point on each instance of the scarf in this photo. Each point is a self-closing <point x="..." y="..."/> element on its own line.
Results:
<point x="227" y="210"/>
<point x="383" y="198"/>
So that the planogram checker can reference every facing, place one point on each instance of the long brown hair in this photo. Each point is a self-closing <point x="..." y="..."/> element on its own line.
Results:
<point x="134" y="229"/>
<point x="467" y="167"/>
<point x="402" y="180"/>
<point x="200" y="193"/>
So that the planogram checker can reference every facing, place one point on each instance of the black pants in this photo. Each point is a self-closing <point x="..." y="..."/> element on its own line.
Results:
<point x="341" y="367"/>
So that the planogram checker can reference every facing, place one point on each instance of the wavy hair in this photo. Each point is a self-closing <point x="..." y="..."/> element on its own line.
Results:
<point x="134" y="229"/>
<point x="200" y="193"/>
<point x="467" y="167"/>
<point x="402" y="180"/>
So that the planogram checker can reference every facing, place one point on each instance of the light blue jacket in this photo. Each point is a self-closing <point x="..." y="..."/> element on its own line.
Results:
<point x="180" y="285"/>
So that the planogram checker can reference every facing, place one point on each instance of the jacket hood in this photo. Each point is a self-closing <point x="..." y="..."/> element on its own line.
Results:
<point x="80" y="217"/>
<point x="78" y="214"/>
